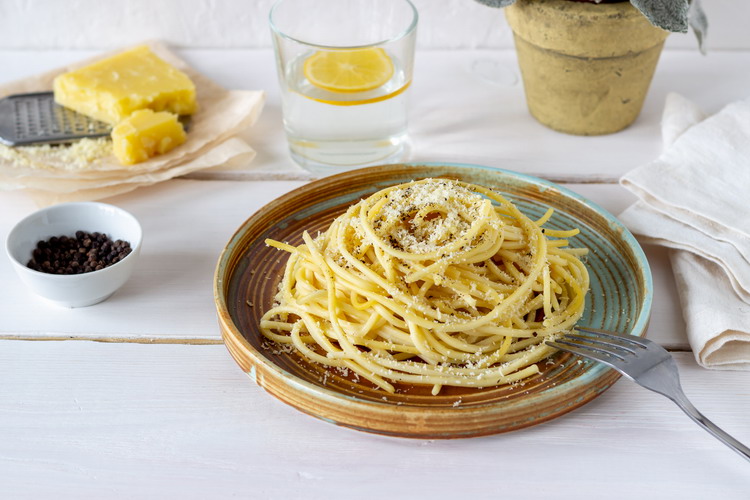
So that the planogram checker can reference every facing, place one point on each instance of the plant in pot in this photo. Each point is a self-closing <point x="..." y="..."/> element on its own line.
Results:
<point x="587" y="64"/>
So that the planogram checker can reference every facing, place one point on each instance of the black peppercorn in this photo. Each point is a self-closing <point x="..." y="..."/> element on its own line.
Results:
<point x="82" y="253"/>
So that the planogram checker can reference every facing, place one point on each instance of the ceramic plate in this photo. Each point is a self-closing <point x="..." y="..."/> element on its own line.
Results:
<point x="248" y="274"/>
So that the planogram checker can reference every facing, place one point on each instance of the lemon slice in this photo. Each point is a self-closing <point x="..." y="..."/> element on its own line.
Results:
<point x="350" y="70"/>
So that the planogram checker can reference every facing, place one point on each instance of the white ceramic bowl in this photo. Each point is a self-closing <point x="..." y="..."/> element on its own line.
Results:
<point x="74" y="290"/>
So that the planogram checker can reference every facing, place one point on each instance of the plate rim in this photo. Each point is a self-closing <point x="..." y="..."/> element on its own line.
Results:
<point x="596" y="373"/>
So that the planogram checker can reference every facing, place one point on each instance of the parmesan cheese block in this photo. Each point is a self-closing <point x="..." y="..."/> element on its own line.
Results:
<point x="111" y="89"/>
<point x="145" y="134"/>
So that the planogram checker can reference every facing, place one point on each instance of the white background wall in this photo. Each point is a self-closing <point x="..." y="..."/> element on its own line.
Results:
<point x="97" y="24"/>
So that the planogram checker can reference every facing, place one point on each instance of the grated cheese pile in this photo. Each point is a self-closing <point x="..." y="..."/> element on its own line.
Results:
<point x="76" y="156"/>
<point x="429" y="216"/>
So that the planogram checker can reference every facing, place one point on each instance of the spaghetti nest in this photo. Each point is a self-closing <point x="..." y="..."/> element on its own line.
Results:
<point x="433" y="282"/>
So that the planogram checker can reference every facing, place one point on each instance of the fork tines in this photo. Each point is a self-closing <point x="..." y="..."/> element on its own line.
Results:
<point x="607" y="347"/>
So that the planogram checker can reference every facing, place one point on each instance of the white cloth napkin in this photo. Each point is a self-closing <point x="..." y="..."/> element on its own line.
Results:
<point x="695" y="198"/>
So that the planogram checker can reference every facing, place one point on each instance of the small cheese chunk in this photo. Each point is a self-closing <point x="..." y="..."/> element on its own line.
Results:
<point x="145" y="134"/>
<point x="111" y="89"/>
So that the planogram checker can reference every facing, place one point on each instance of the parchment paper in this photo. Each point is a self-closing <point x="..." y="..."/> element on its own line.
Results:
<point x="51" y="176"/>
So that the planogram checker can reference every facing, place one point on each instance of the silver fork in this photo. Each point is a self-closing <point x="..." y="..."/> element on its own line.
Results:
<point x="646" y="363"/>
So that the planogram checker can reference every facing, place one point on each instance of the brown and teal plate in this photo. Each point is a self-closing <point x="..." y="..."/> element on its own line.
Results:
<point x="248" y="274"/>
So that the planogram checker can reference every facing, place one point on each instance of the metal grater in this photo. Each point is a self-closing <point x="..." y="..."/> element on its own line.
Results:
<point x="36" y="118"/>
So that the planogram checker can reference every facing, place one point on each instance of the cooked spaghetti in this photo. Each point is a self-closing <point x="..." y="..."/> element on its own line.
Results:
<point x="433" y="282"/>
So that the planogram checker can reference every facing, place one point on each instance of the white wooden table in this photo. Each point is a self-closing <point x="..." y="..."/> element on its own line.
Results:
<point x="137" y="398"/>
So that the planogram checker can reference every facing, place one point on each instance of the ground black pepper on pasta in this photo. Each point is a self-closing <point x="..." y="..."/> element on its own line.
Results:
<point x="82" y="253"/>
<point x="433" y="282"/>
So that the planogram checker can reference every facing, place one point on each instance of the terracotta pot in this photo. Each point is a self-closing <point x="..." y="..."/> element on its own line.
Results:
<point x="586" y="67"/>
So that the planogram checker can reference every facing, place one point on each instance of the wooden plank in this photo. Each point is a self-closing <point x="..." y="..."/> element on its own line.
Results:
<point x="458" y="115"/>
<point x="95" y="420"/>
<point x="455" y="114"/>
<point x="186" y="224"/>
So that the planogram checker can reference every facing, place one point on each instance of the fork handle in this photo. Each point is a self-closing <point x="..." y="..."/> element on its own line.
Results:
<point x="685" y="405"/>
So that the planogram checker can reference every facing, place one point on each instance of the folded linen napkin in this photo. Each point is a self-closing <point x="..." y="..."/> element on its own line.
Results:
<point x="695" y="198"/>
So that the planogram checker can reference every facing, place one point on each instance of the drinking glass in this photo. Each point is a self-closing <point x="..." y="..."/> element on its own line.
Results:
<point x="344" y="68"/>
